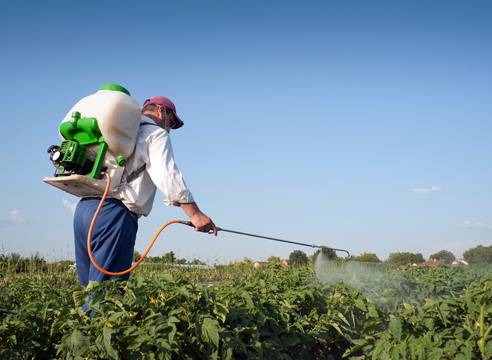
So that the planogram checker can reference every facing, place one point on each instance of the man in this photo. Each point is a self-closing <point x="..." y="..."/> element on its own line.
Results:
<point x="151" y="166"/>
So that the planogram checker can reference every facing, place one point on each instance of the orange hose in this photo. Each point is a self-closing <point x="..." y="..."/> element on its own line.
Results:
<point x="91" y="228"/>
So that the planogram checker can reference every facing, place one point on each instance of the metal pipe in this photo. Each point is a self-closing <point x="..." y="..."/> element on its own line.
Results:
<point x="274" y="239"/>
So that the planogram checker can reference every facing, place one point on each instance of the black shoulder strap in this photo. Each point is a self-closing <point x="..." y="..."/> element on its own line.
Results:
<point x="146" y="123"/>
<point x="135" y="173"/>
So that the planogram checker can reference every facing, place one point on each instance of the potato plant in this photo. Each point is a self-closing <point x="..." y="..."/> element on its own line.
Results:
<point x="271" y="313"/>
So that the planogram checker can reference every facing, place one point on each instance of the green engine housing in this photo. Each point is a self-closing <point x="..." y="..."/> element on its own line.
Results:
<point x="71" y="156"/>
<point x="73" y="153"/>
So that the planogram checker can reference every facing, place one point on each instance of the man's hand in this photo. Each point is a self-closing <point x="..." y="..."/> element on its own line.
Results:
<point x="200" y="221"/>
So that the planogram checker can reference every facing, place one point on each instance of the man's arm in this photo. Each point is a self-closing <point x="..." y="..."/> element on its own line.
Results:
<point x="200" y="221"/>
<point x="166" y="176"/>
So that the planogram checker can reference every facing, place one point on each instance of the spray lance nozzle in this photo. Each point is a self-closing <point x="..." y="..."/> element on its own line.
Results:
<point x="189" y="223"/>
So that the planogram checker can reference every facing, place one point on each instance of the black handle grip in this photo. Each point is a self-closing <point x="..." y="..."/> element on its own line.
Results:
<point x="190" y="224"/>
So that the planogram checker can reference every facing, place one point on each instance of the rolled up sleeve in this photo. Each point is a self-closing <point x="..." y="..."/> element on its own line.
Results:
<point x="163" y="170"/>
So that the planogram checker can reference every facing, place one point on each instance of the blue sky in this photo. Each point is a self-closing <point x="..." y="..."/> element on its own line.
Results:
<point x="355" y="124"/>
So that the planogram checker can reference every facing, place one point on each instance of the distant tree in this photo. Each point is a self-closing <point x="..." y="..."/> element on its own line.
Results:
<point x="405" y="258"/>
<point x="367" y="257"/>
<point x="169" y="257"/>
<point x="197" y="262"/>
<point x="327" y="252"/>
<point x="479" y="255"/>
<point x="298" y="258"/>
<point x="136" y="255"/>
<point x="246" y="262"/>
<point x="444" y="256"/>
<point x="274" y="260"/>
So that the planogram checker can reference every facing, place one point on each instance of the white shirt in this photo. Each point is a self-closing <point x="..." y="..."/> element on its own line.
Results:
<point x="153" y="148"/>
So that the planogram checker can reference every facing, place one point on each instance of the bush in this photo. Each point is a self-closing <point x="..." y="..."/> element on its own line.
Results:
<point x="274" y="261"/>
<point x="15" y="263"/>
<point x="197" y="262"/>
<point x="367" y="257"/>
<point x="63" y="266"/>
<point x="405" y="258"/>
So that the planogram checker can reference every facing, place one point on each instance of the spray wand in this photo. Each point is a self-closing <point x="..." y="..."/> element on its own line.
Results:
<point x="273" y="239"/>
<point x="156" y="235"/>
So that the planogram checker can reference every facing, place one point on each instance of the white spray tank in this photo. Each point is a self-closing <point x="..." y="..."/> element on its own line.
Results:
<point x="98" y="135"/>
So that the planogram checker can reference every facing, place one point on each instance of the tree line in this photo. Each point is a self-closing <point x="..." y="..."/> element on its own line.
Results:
<point x="479" y="255"/>
<point x="168" y="258"/>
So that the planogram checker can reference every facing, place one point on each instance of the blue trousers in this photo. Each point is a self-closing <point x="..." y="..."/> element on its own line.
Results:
<point x="113" y="238"/>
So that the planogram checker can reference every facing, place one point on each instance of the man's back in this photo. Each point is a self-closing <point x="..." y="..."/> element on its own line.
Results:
<point x="152" y="165"/>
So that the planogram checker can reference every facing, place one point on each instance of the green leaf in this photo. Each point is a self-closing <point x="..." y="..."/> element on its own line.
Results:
<point x="395" y="328"/>
<point x="336" y="327"/>
<point x="108" y="346"/>
<point x="359" y="303"/>
<point x="76" y="344"/>
<point x="210" y="331"/>
<point x="373" y="312"/>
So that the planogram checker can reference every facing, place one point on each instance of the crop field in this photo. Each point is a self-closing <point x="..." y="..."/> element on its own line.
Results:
<point x="235" y="312"/>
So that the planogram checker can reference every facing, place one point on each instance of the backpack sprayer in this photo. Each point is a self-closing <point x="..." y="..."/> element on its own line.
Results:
<point x="98" y="135"/>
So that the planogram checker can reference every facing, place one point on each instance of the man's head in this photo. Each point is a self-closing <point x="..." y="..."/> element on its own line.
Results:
<point x="162" y="110"/>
